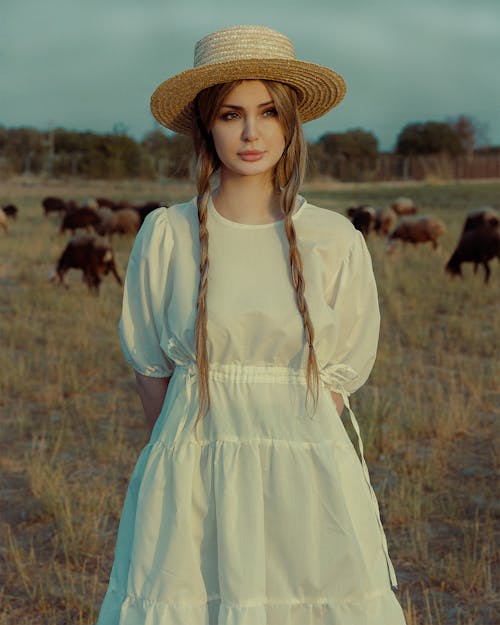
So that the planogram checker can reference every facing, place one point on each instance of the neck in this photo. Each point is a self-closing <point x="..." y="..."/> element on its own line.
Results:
<point x="248" y="200"/>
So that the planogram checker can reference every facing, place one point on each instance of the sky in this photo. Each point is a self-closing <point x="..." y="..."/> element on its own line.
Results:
<point x="92" y="64"/>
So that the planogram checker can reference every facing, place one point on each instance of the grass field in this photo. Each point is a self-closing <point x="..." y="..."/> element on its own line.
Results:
<point x="72" y="427"/>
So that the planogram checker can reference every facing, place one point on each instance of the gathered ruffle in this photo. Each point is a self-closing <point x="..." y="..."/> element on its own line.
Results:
<point x="380" y="608"/>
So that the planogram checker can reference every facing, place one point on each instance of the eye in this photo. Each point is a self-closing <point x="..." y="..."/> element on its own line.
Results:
<point x="271" y="112"/>
<point x="230" y="115"/>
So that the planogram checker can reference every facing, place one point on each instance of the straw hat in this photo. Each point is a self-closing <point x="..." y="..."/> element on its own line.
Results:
<point x="246" y="52"/>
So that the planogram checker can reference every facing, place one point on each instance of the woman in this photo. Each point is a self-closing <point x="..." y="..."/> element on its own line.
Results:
<point x="249" y="316"/>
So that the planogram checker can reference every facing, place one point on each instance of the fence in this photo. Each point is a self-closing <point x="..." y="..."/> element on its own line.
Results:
<point x="475" y="166"/>
<point x="385" y="167"/>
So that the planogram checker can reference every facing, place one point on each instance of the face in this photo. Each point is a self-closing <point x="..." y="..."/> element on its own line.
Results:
<point x="248" y="136"/>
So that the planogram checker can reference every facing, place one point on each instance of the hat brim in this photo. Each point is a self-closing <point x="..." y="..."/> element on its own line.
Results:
<point x="319" y="88"/>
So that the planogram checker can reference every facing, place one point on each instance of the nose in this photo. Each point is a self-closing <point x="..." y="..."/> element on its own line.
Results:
<point x="250" y="132"/>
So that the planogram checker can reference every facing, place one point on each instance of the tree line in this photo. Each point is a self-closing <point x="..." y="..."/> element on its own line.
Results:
<point x="350" y="155"/>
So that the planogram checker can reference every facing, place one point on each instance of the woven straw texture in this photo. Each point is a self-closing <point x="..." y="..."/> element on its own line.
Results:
<point x="246" y="52"/>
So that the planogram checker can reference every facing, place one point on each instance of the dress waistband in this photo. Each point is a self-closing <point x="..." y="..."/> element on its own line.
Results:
<point x="236" y="372"/>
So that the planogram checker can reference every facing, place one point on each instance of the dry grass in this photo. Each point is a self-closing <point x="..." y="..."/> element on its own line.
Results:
<point x="72" y="426"/>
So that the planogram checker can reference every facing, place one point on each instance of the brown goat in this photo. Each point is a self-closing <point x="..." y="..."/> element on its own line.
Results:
<point x="92" y="255"/>
<point x="104" y="202"/>
<point x="478" y="245"/>
<point x="481" y="217"/>
<point x="417" y="230"/>
<point x="146" y="208"/>
<point x="385" y="220"/>
<point x="10" y="210"/>
<point x="123" y="221"/>
<point x="53" y="204"/>
<point x="79" y="218"/>
<point x="362" y="218"/>
<point x="404" y="206"/>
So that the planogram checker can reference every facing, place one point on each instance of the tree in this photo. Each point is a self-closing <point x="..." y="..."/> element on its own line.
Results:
<point x="349" y="155"/>
<point x="156" y="143"/>
<point x="24" y="149"/>
<point x="429" y="138"/>
<point x="352" y="144"/>
<point x="317" y="161"/>
<point x="472" y="133"/>
<point x="181" y="156"/>
<point x="4" y="134"/>
<point x="172" y="155"/>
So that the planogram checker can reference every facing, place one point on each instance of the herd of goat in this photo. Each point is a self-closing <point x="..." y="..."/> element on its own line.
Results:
<point x="479" y="241"/>
<point x="91" y="253"/>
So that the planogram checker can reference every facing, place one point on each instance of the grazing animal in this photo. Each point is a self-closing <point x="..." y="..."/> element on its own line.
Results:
<point x="404" y="206"/>
<point x="362" y="218"/>
<point x="3" y="221"/>
<point x="71" y="206"/>
<point x="53" y="205"/>
<point x="479" y="242"/>
<point x="123" y="221"/>
<point x="92" y="255"/>
<point x="122" y="204"/>
<point x="385" y="220"/>
<point x="79" y="218"/>
<point x="103" y="213"/>
<point x="104" y="202"/>
<point x="11" y="211"/>
<point x="91" y="203"/>
<point x="481" y="217"/>
<point x="477" y="246"/>
<point x="417" y="230"/>
<point x="146" y="208"/>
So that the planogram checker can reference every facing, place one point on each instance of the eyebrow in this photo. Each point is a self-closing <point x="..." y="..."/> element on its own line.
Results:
<point x="240" y="108"/>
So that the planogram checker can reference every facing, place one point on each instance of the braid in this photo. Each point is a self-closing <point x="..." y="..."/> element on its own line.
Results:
<point x="205" y="170"/>
<point x="298" y="282"/>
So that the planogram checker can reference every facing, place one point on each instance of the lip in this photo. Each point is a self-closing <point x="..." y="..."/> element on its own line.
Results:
<point x="251" y="155"/>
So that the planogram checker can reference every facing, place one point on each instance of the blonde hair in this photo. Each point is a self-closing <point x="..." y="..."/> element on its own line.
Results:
<point x="288" y="176"/>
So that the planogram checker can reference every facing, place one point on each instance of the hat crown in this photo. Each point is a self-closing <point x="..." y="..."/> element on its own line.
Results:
<point x="242" y="42"/>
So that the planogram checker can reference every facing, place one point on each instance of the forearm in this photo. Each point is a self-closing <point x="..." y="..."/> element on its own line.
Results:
<point x="339" y="402"/>
<point x="152" y="392"/>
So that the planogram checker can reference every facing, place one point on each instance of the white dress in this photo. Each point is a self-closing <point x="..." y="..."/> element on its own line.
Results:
<point x="265" y="515"/>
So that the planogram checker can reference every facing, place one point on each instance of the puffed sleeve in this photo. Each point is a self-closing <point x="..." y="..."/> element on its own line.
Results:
<point x="144" y="298"/>
<point x="354" y="300"/>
